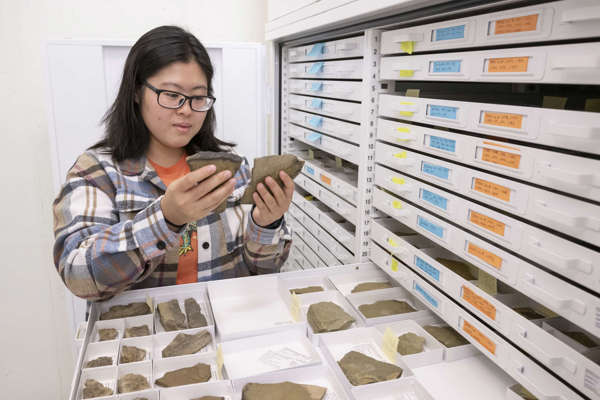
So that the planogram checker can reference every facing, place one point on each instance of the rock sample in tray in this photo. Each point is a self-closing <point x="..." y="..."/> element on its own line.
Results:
<point x="108" y="334"/>
<point x="194" y="314"/>
<point x="209" y="398"/>
<point x="270" y="166"/>
<point x="171" y="317"/>
<point x="132" y="383"/>
<point x="410" y="343"/>
<point x="124" y="311"/>
<point x="308" y="289"/>
<point x="131" y="354"/>
<point x="460" y="268"/>
<point x="522" y="392"/>
<point x="362" y="370"/>
<point x="383" y="308"/>
<point x="136" y="331"/>
<point x="282" y="391"/>
<point x="528" y="313"/>
<point x="366" y="286"/>
<point x="581" y="338"/>
<point x="446" y="335"/>
<point x="184" y="376"/>
<point x="92" y="388"/>
<point x="187" y="344"/>
<point x="99" y="362"/>
<point x="328" y="317"/>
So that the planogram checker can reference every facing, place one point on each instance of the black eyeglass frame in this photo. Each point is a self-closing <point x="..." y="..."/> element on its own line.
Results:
<point x="186" y="98"/>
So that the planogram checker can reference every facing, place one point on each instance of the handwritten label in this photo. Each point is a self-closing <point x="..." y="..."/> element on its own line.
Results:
<point x="427" y="268"/>
<point x="487" y="223"/>
<point x="389" y="344"/>
<point x="442" y="111"/>
<point x="442" y="143"/>
<point x="316" y="86"/>
<point x="315" y="121"/>
<point x="435" y="199"/>
<point x="309" y="170"/>
<point x="483" y="340"/>
<point x="491" y="189"/>
<point x="508" y="64"/>
<point x="316" y="68"/>
<point x="325" y="179"/>
<point x="430" y="299"/>
<point x="518" y="24"/>
<point x="479" y="303"/>
<point x="451" y="32"/>
<point x="316" y="103"/>
<point x="435" y="170"/>
<point x="316" y="50"/>
<point x="441" y="67"/>
<point x="501" y="157"/>
<point x="314" y="137"/>
<point x="220" y="362"/>
<point x="514" y="121"/>
<point x="485" y="255"/>
<point x="430" y="226"/>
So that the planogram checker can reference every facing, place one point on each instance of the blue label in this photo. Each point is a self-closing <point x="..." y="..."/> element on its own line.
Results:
<point x="309" y="170"/>
<point x="451" y="32"/>
<point x="431" y="227"/>
<point x="427" y="268"/>
<point x="316" y="121"/>
<point x="316" y="103"/>
<point x="442" y="143"/>
<point x="436" y="170"/>
<point x="316" y="50"/>
<point x="316" y="87"/>
<point x="446" y="66"/>
<point x="442" y="111"/>
<point x="316" y="68"/>
<point x="426" y="295"/>
<point x="435" y="199"/>
<point x="314" y="137"/>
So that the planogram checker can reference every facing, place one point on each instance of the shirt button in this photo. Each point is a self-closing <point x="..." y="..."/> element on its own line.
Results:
<point x="161" y="245"/>
<point x="205" y="245"/>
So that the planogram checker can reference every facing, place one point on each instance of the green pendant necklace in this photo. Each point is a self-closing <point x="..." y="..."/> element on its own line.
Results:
<point x="186" y="246"/>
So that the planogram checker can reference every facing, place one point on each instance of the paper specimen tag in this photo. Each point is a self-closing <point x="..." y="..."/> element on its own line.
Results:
<point x="407" y="47"/>
<point x="295" y="307"/>
<point x="398" y="181"/>
<point x="518" y="24"/>
<point x="149" y="302"/>
<point x="514" y="121"/>
<point x="508" y="64"/>
<point x="284" y="358"/>
<point x="479" y="303"/>
<point x="501" y="158"/>
<point x="220" y="362"/>
<point x="487" y="223"/>
<point x="406" y="73"/>
<point x="311" y="154"/>
<point x="449" y="33"/>
<point x="483" y="340"/>
<point x="325" y="179"/>
<point x="412" y="92"/>
<point x="338" y="162"/>
<point x="484" y="255"/>
<point x="491" y="189"/>
<point x="389" y="344"/>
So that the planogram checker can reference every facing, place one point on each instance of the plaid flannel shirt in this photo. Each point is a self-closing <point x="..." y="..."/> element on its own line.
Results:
<point x="111" y="235"/>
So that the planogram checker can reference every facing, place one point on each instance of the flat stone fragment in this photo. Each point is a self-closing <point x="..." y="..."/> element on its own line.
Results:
<point x="521" y="391"/>
<point x="446" y="335"/>
<point x="136" y="331"/>
<point x="187" y="344"/>
<point x="108" y="334"/>
<point x="92" y="388"/>
<point x="194" y="314"/>
<point x="132" y="383"/>
<point x="184" y="376"/>
<point x="124" y="311"/>
<point x="384" y="308"/>
<point x="460" y="268"/>
<point x="328" y="317"/>
<point x="282" y="391"/>
<point x="308" y="289"/>
<point x="410" y="343"/>
<point x="362" y="370"/>
<point x="171" y="317"/>
<point x="209" y="398"/>
<point x="131" y="354"/>
<point x="270" y="166"/>
<point x="366" y="286"/>
<point x="528" y="313"/>
<point x="99" y="362"/>
<point x="581" y="338"/>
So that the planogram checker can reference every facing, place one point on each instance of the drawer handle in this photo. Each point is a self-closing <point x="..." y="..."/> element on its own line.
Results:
<point x="572" y="131"/>
<point x="408" y="37"/>
<point x="558" y="261"/>
<point x="569" y="177"/>
<point x="544" y="357"/>
<point x="581" y="14"/>
<point x="589" y="62"/>
<point x="565" y="219"/>
<point x="555" y="302"/>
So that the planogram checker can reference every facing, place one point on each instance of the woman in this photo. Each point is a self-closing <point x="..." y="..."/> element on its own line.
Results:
<point x="132" y="215"/>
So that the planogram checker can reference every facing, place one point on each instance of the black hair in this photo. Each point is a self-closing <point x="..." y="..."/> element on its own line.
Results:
<point x="127" y="136"/>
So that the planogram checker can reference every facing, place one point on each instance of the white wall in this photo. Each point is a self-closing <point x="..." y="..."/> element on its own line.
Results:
<point x="36" y="359"/>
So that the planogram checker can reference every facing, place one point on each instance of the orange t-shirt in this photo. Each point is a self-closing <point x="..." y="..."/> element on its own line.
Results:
<point x="187" y="268"/>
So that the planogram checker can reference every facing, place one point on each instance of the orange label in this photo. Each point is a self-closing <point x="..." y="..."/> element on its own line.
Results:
<point x="488" y="223"/>
<point x="508" y="64"/>
<point x="514" y="121"/>
<point x="326" y="179"/>
<point x="480" y="337"/>
<point x="492" y="189"/>
<point x="501" y="157"/>
<point x="485" y="256"/>
<point x="518" y="24"/>
<point x="479" y="303"/>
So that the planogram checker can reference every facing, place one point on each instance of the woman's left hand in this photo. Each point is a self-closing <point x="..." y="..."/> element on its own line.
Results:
<point x="271" y="207"/>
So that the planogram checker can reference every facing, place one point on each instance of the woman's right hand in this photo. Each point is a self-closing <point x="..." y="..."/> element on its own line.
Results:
<point x="191" y="197"/>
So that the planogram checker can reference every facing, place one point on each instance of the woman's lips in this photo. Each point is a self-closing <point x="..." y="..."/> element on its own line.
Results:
<point x="182" y="127"/>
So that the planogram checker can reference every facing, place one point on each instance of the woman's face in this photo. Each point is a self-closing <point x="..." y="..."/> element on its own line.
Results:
<point x="174" y="128"/>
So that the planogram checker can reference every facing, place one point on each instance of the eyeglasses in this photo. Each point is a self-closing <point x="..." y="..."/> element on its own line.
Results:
<point x="174" y="100"/>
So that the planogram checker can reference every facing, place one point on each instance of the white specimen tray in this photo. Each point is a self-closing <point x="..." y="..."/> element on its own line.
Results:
<point x="346" y="281"/>
<point x="399" y="389"/>
<point x="396" y="293"/>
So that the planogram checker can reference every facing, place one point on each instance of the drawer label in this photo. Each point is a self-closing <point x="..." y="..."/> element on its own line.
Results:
<point x="316" y="68"/>
<point x="316" y="50"/>
<point x="451" y="32"/>
<point x="325" y="179"/>
<point x="518" y="24"/>
<point x="448" y="66"/>
<point x="479" y="303"/>
<point x="484" y="255"/>
<point x="487" y="223"/>
<point x="427" y="268"/>
<point x="309" y="170"/>
<point x="514" y="121"/>
<point x="491" y="189"/>
<point x="442" y="143"/>
<point x="501" y="157"/>
<point x="314" y="137"/>
<point x="316" y="86"/>
<point x="508" y="64"/>
<point x="435" y="199"/>
<point x="432" y="300"/>
<point x="430" y="226"/>
<point x="315" y="121"/>
<point x="483" y="340"/>
<point x="316" y="103"/>
<point x="436" y="170"/>
<point x="442" y="111"/>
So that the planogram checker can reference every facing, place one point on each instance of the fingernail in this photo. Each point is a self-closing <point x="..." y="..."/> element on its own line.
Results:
<point x="212" y="168"/>
<point x="227" y="173"/>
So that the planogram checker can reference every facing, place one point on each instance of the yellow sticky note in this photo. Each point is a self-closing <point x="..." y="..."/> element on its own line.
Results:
<point x="389" y="345"/>
<point x="407" y="47"/>
<point x="295" y="307"/>
<point x="398" y="181"/>
<point x="406" y="113"/>
<point x="406" y="73"/>
<point x="392" y="242"/>
<point x="403" y="129"/>
<point x="394" y="264"/>
<point x="311" y="154"/>
<point x="402" y="154"/>
<point x="397" y="204"/>
<point x="220" y="362"/>
<point x="338" y="162"/>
